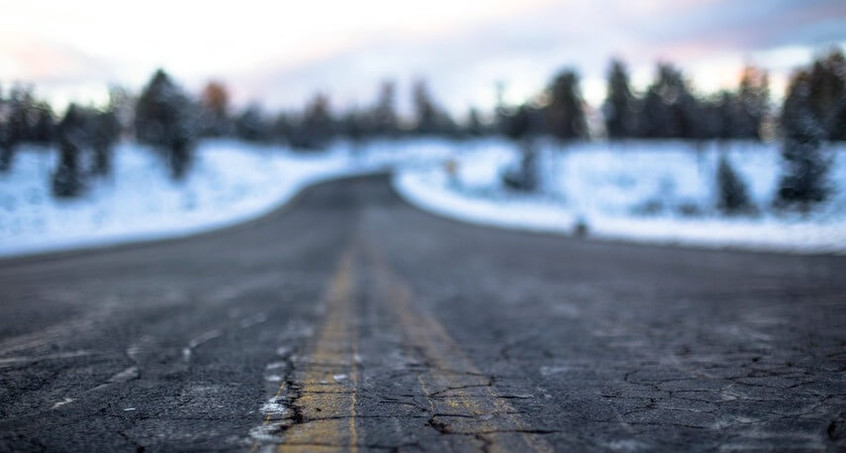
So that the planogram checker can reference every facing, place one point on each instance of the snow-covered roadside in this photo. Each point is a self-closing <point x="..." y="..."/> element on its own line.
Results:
<point x="231" y="182"/>
<point x="652" y="192"/>
<point x="646" y="192"/>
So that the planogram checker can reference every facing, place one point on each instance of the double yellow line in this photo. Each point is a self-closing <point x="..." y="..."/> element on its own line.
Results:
<point x="461" y="399"/>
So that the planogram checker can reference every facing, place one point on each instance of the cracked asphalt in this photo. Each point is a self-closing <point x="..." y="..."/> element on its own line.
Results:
<point x="349" y="321"/>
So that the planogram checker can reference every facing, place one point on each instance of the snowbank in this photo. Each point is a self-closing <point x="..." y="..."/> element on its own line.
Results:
<point x="231" y="182"/>
<point x="641" y="191"/>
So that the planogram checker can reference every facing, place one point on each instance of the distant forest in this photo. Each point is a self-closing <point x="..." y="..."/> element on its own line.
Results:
<point x="165" y="116"/>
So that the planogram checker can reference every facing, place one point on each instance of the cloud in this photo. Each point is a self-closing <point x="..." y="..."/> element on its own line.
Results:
<point x="279" y="54"/>
<point x="42" y="61"/>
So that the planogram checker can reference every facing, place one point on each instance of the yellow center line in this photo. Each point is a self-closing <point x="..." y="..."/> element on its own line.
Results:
<point x="328" y="378"/>
<point x="354" y="380"/>
<point x="457" y="392"/>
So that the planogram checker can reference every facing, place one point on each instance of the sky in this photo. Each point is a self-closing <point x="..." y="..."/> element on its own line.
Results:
<point x="279" y="53"/>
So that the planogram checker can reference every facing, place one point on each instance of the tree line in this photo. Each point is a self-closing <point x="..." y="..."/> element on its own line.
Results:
<point x="171" y="120"/>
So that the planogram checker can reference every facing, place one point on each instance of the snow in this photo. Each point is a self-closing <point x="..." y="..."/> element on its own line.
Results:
<point x="231" y="182"/>
<point x="656" y="192"/>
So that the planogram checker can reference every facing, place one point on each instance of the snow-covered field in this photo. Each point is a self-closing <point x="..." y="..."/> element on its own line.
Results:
<point x="653" y="192"/>
<point x="662" y="192"/>
<point x="232" y="182"/>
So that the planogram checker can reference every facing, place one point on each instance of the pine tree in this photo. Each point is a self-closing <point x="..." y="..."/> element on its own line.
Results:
<point x="317" y="126"/>
<point x="6" y="144"/>
<point x="565" y="111"/>
<point x="728" y="113"/>
<point x="521" y="127"/>
<point x="164" y="119"/>
<point x="45" y="124"/>
<point x="426" y="113"/>
<point x="827" y="90"/>
<point x="283" y="128"/>
<point x="17" y="128"/>
<point x="619" y="105"/>
<point x="251" y="125"/>
<point x="655" y="117"/>
<point x="67" y="181"/>
<point x="753" y="99"/>
<point x="354" y="126"/>
<point x="669" y="109"/>
<point x="805" y="164"/>
<point x="838" y="131"/>
<point x="474" y="126"/>
<point x="105" y="133"/>
<point x="385" y="118"/>
<point x="733" y="196"/>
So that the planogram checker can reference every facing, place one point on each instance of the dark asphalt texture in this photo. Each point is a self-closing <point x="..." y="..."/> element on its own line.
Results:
<point x="349" y="321"/>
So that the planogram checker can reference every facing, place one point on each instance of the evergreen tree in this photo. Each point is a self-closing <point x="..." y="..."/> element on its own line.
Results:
<point x="67" y="180"/>
<point x="654" y="118"/>
<point x="619" y="105"/>
<point x="521" y="127"/>
<point x="45" y="124"/>
<point x="251" y="125"/>
<point x="827" y="90"/>
<point x="5" y="136"/>
<point x="104" y="134"/>
<point x="426" y="113"/>
<point x="123" y="104"/>
<point x="752" y="103"/>
<point x="838" y="130"/>
<point x="474" y="126"/>
<point x="523" y="123"/>
<point x="565" y="112"/>
<point x="728" y="116"/>
<point x="669" y="109"/>
<point x="283" y="127"/>
<point x="733" y="196"/>
<point x="18" y="125"/>
<point x="354" y="125"/>
<point x="805" y="164"/>
<point x="385" y="118"/>
<point x="317" y="126"/>
<point x="164" y="119"/>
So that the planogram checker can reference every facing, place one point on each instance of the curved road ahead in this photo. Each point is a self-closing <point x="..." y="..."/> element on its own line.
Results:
<point x="351" y="322"/>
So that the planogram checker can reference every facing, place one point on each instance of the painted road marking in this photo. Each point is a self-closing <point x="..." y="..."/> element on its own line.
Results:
<point x="460" y="397"/>
<point x="325" y="406"/>
<point x="324" y="383"/>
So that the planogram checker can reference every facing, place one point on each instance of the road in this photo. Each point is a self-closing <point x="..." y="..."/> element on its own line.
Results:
<point x="352" y="322"/>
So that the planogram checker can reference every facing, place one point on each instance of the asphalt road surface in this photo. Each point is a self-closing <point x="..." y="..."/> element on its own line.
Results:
<point x="352" y="322"/>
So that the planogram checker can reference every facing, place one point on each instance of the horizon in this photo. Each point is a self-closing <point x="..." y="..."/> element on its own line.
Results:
<point x="283" y="56"/>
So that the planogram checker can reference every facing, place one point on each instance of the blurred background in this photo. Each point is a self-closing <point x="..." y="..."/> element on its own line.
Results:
<point x="705" y="121"/>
